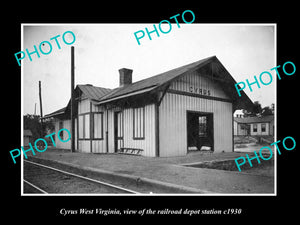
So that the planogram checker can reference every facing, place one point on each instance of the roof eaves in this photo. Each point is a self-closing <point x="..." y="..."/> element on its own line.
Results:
<point x="141" y="91"/>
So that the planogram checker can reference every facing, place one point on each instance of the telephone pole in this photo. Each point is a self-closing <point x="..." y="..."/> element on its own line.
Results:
<point x="72" y="101"/>
<point x="41" y="108"/>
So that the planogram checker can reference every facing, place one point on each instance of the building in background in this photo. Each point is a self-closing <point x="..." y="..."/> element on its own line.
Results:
<point x="254" y="126"/>
<point x="27" y="137"/>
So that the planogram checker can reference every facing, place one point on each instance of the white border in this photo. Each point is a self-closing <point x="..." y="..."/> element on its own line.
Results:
<point x="154" y="194"/>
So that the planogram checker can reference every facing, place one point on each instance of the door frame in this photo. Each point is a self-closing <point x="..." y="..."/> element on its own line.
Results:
<point x="116" y="138"/>
<point x="200" y="113"/>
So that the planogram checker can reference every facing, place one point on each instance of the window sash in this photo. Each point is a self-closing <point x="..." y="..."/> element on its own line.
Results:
<point x="97" y="125"/>
<point x="84" y="126"/>
<point x="139" y="123"/>
<point x="254" y="127"/>
<point x="120" y="124"/>
<point x="90" y="126"/>
<point x="263" y="127"/>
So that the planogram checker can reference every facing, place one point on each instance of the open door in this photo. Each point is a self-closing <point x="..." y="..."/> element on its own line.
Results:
<point x="200" y="131"/>
<point x="118" y="130"/>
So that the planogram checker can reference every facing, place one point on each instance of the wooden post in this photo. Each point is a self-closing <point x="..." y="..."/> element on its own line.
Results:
<point x="41" y="109"/>
<point x="72" y="101"/>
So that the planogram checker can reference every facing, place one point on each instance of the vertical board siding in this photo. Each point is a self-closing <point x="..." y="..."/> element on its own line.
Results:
<point x="83" y="106"/>
<point x="110" y="126"/>
<point x="99" y="146"/>
<point x="84" y="146"/>
<point x="194" y="80"/>
<point x="173" y="115"/>
<point x="148" y="143"/>
<point x="94" y="146"/>
<point x="67" y="125"/>
<point x="173" y="124"/>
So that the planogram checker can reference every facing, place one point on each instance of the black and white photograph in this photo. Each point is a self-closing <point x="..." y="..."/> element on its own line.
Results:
<point x="137" y="112"/>
<point x="158" y="116"/>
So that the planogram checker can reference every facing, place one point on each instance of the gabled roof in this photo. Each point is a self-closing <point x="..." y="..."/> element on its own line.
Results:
<point x="254" y="119"/>
<point x="56" y="113"/>
<point x="93" y="92"/>
<point x="153" y="84"/>
<point x="218" y="72"/>
<point x="155" y="81"/>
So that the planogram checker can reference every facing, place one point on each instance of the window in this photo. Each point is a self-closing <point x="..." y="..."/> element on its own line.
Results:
<point x="202" y="126"/>
<point x="243" y="126"/>
<point x="97" y="125"/>
<point x="61" y="126"/>
<point x="84" y="126"/>
<point x="138" y="123"/>
<point x="120" y="124"/>
<point x="254" y="127"/>
<point x="263" y="127"/>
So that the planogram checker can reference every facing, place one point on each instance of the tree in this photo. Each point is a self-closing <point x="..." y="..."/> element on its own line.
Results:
<point x="33" y="123"/>
<point x="266" y="111"/>
<point x="256" y="110"/>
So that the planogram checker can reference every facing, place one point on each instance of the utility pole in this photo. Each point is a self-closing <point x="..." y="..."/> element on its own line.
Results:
<point x="72" y="101"/>
<point x="41" y="108"/>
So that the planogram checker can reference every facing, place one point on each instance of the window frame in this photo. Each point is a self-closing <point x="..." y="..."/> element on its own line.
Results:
<point x="82" y="126"/>
<point x="139" y="134"/>
<point x="92" y="133"/>
<point x="61" y="126"/>
<point x="263" y="127"/>
<point x="255" y="127"/>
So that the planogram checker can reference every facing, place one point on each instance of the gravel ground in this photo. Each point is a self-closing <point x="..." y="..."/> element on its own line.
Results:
<point x="170" y="170"/>
<point x="55" y="182"/>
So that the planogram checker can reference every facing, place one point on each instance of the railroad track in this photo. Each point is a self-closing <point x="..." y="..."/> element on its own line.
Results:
<point x="40" y="177"/>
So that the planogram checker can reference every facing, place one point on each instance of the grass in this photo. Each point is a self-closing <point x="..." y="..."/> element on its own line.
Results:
<point x="264" y="168"/>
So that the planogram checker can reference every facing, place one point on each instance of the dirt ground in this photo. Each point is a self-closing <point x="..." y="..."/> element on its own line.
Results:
<point x="171" y="170"/>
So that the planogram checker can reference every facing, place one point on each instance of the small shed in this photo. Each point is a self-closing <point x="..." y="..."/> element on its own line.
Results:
<point x="27" y="137"/>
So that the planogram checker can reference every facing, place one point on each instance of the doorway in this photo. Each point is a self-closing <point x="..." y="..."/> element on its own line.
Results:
<point x="200" y="131"/>
<point x="118" y="130"/>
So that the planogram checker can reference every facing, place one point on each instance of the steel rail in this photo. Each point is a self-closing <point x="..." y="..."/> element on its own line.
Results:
<point x="84" y="178"/>
<point x="34" y="186"/>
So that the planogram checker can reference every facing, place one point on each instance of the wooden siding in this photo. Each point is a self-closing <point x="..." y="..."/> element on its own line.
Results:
<point x="148" y="143"/>
<point x="66" y="124"/>
<point x="84" y="146"/>
<point x="238" y="129"/>
<point x="99" y="146"/>
<point x="259" y="129"/>
<point x="92" y="145"/>
<point x="83" y="106"/>
<point x="173" y="114"/>
<point x="193" y="82"/>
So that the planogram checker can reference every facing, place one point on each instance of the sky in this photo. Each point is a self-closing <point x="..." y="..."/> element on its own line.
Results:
<point x="102" y="49"/>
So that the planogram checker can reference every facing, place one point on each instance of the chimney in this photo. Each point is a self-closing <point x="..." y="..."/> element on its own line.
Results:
<point x="125" y="77"/>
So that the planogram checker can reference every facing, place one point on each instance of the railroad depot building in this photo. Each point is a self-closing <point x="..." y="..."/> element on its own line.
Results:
<point x="187" y="108"/>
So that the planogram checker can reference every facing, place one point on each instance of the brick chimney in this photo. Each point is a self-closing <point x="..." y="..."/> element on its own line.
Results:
<point x="125" y="76"/>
